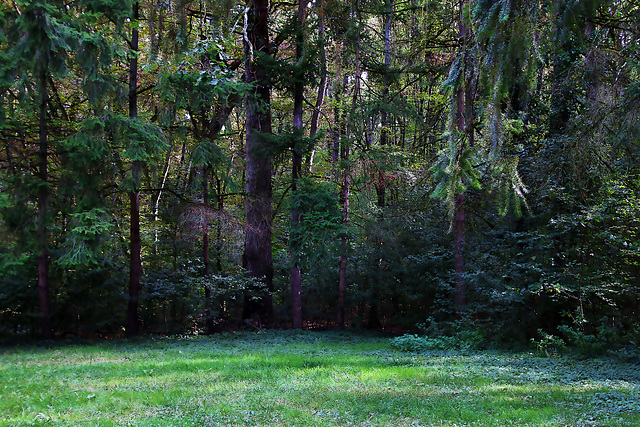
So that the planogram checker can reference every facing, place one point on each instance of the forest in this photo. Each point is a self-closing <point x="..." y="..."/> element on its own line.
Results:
<point x="197" y="166"/>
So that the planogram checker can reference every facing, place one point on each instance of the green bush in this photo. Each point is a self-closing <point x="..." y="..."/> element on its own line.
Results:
<point x="455" y="335"/>
<point x="549" y="345"/>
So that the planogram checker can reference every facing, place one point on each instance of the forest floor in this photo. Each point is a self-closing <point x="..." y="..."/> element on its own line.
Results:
<point x="286" y="378"/>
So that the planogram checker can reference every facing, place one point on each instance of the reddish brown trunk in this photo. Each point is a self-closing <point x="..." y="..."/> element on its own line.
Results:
<point x="257" y="257"/>
<point x="464" y="122"/>
<point x="135" y="260"/>
<point x="43" y="195"/>
<point x="296" y="171"/>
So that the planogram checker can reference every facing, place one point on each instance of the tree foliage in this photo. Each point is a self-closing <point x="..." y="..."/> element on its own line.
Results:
<point x="479" y="148"/>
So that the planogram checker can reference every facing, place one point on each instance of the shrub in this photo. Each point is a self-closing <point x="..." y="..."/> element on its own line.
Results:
<point x="549" y="345"/>
<point x="454" y="335"/>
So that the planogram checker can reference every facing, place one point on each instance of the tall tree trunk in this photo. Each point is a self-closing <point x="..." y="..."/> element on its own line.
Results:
<point x="43" y="195"/>
<point x="338" y="141"/>
<point x="342" y="284"/>
<point x="380" y="184"/>
<point x="258" y="258"/>
<point x="156" y="202"/>
<point x="384" y="122"/>
<point x="296" y="171"/>
<point x="346" y="184"/>
<point x="205" y="249"/>
<point x="135" y="261"/>
<point x="464" y="123"/>
<point x="322" y="89"/>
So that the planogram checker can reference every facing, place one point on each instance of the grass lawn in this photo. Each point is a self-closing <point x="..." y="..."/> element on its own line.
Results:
<point x="306" y="379"/>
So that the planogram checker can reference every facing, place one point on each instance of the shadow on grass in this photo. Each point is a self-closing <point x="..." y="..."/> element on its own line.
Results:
<point x="307" y="379"/>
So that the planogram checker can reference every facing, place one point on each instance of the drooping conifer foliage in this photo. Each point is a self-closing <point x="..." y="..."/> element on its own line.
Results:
<point x="174" y="166"/>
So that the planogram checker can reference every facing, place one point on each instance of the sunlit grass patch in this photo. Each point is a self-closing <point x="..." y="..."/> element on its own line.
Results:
<point x="315" y="379"/>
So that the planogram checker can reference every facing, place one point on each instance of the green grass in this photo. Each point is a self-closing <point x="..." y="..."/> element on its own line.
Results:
<point x="306" y="379"/>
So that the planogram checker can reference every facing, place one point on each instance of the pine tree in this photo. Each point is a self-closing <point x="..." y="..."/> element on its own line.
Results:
<point x="39" y="43"/>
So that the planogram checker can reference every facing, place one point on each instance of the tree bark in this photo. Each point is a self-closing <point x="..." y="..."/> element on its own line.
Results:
<point x="296" y="171"/>
<point x="257" y="256"/>
<point x="464" y="123"/>
<point x="43" y="196"/>
<point x="346" y="184"/>
<point x="340" y="154"/>
<point x="135" y="261"/>
<point x="380" y="183"/>
<point x="322" y="89"/>
<point x="342" y="284"/>
<point x="384" y="122"/>
<point x="156" y="202"/>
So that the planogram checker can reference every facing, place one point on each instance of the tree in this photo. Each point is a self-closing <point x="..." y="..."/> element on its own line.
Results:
<point x="135" y="266"/>
<point x="542" y="93"/>
<point x="258" y="257"/>
<point x="296" y="169"/>
<point x="346" y="134"/>
<point x="39" y="43"/>
<point x="454" y="169"/>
